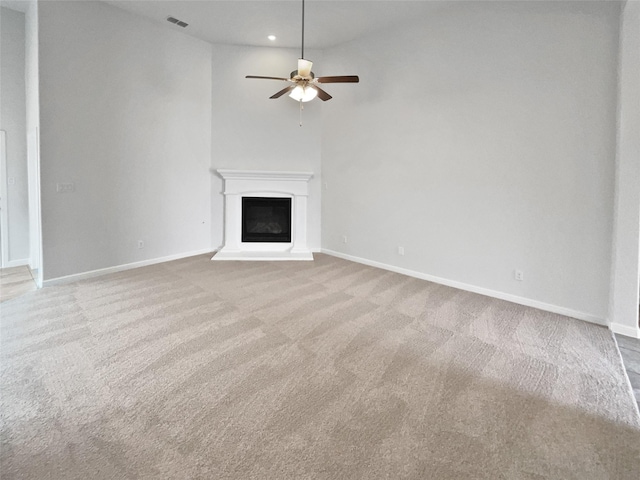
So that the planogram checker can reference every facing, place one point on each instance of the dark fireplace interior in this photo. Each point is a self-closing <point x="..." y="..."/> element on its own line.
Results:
<point x="266" y="219"/>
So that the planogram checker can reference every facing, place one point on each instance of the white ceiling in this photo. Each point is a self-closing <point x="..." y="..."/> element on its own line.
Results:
<point x="248" y="22"/>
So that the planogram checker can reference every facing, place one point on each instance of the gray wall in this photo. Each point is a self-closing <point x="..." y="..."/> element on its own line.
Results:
<point x="482" y="140"/>
<point x="126" y="117"/>
<point x="13" y="121"/>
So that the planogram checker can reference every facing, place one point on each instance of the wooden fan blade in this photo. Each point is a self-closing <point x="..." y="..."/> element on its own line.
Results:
<point x="283" y="91"/>
<point x="339" y="79"/>
<point x="322" y="95"/>
<point x="267" y="78"/>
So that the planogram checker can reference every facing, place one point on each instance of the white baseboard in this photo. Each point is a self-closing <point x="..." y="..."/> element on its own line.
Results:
<point x="18" y="263"/>
<point x="567" y="312"/>
<point x="120" y="268"/>
<point x="626" y="330"/>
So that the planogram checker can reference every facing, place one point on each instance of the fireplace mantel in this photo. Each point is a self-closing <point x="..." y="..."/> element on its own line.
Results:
<point x="264" y="175"/>
<point x="261" y="183"/>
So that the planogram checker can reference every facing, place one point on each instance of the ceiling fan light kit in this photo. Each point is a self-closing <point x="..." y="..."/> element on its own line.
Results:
<point x="303" y="83"/>
<point x="303" y="94"/>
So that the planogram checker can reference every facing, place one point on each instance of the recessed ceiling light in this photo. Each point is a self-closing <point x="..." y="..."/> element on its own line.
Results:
<point x="271" y="37"/>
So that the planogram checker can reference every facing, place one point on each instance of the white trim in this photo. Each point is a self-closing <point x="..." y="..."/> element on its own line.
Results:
<point x="120" y="268"/>
<point x="4" y="191"/>
<point x="18" y="263"/>
<point x="475" y="289"/>
<point x="626" y="330"/>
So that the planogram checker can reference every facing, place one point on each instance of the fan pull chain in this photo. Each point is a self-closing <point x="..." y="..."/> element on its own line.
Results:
<point x="301" y="109"/>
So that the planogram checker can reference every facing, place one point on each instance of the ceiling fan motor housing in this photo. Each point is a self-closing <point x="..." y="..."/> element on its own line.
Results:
<point x="294" y="76"/>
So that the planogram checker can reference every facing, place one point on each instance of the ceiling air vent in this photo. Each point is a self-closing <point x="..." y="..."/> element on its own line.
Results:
<point x="180" y="23"/>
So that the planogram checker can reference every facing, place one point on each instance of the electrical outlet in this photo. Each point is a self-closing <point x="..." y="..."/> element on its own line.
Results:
<point x="65" y="187"/>
<point x="140" y="244"/>
<point x="344" y="239"/>
<point x="400" y="250"/>
<point x="518" y="275"/>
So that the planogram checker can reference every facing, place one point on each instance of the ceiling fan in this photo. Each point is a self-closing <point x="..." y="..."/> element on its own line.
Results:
<point x="303" y="83"/>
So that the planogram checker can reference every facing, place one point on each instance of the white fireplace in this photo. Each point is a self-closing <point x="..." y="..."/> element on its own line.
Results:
<point x="259" y="185"/>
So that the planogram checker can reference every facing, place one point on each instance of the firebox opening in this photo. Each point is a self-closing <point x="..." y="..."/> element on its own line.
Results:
<point x="266" y="219"/>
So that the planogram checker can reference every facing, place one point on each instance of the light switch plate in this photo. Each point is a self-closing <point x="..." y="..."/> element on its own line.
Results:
<point x="65" y="187"/>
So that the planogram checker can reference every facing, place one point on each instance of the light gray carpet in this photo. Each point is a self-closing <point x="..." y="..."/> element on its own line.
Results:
<point x="296" y="370"/>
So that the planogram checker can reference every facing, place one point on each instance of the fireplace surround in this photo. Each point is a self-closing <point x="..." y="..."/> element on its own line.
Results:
<point x="272" y="193"/>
